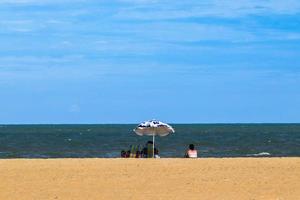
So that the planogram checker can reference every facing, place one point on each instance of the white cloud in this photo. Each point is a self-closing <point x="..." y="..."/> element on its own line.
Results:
<point x="83" y="32"/>
<point x="39" y="2"/>
<point x="151" y="10"/>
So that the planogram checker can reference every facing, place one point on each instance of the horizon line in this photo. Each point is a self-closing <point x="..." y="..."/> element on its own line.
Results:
<point x="181" y="123"/>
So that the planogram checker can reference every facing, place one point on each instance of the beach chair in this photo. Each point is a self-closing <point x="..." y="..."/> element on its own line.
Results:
<point x="133" y="150"/>
<point x="149" y="151"/>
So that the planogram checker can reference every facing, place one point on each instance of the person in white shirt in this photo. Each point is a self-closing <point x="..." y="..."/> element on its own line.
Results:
<point x="156" y="155"/>
<point x="191" y="152"/>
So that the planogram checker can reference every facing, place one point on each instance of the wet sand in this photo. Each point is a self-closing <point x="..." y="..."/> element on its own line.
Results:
<point x="215" y="178"/>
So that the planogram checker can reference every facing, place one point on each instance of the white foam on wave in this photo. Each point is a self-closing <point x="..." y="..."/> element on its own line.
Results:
<point x="260" y="154"/>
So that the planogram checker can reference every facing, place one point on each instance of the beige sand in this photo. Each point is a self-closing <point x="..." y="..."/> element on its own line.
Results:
<point x="236" y="179"/>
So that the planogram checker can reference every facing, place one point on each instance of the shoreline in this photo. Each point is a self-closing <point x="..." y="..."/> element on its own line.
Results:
<point x="164" y="178"/>
<point x="161" y="158"/>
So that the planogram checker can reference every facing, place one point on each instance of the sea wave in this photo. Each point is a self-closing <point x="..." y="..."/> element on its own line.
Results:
<point x="260" y="154"/>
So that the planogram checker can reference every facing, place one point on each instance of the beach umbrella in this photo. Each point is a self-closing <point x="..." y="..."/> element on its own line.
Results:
<point x="153" y="128"/>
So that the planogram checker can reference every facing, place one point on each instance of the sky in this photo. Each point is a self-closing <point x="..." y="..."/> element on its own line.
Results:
<point x="126" y="61"/>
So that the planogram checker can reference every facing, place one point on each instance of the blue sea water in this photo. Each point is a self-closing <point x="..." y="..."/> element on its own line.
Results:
<point x="211" y="140"/>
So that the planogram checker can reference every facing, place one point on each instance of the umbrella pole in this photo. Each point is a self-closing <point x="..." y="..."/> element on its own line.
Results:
<point x="153" y="145"/>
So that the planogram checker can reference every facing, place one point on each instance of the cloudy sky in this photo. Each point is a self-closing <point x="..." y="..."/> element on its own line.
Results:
<point x="93" y="61"/>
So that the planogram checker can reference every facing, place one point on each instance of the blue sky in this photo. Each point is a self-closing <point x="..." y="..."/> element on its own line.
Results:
<point x="88" y="61"/>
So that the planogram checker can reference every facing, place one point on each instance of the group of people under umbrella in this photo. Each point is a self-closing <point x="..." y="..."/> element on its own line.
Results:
<point x="153" y="128"/>
<point x="135" y="151"/>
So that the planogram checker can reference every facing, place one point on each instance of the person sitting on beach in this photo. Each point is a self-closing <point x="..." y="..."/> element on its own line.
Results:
<point x="148" y="150"/>
<point x="142" y="153"/>
<point x="127" y="154"/>
<point x="123" y="154"/>
<point x="156" y="155"/>
<point x="191" y="152"/>
<point x="138" y="154"/>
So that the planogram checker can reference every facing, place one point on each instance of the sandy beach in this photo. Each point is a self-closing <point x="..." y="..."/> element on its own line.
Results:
<point x="230" y="178"/>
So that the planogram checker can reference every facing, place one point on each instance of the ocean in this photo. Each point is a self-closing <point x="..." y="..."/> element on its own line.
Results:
<point x="106" y="141"/>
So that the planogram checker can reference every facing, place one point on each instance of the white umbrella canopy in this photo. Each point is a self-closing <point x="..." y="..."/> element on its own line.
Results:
<point x="153" y="128"/>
